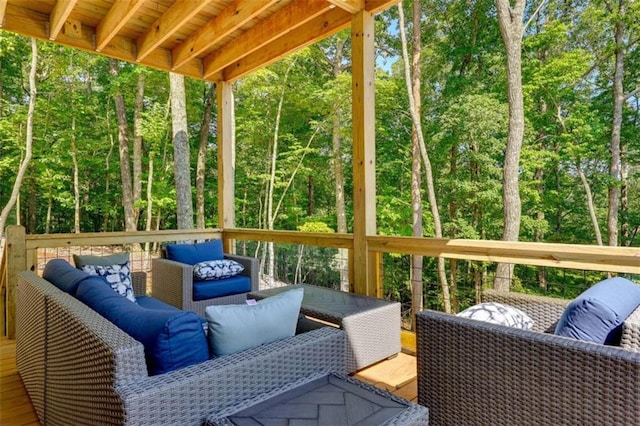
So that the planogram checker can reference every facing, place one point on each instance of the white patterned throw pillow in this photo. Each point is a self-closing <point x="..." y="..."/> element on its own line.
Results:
<point x="216" y="269"/>
<point x="118" y="277"/>
<point x="497" y="313"/>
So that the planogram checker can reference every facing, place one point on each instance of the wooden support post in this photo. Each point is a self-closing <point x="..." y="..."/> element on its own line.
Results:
<point x="16" y="250"/>
<point x="226" y="160"/>
<point x="364" y="168"/>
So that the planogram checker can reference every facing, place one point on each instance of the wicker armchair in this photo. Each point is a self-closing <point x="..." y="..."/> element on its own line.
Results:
<point x="172" y="282"/>
<point x="476" y="373"/>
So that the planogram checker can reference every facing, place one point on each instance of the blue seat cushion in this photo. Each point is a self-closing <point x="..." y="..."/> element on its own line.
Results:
<point x="149" y="302"/>
<point x="195" y="253"/>
<point x="61" y="274"/>
<point x="597" y="314"/>
<point x="203" y="290"/>
<point x="172" y="339"/>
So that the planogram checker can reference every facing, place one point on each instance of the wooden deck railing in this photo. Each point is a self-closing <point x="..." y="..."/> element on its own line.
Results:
<point x="21" y="251"/>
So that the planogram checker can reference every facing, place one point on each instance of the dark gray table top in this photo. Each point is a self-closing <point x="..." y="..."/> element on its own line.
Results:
<point x="329" y="400"/>
<point x="327" y="302"/>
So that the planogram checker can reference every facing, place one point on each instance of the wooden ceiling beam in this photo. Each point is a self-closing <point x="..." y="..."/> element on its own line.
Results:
<point x="34" y="24"/>
<point x="351" y="6"/>
<point x="114" y="20"/>
<point x="375" y="6"/>
<point x="322" y="26"/>
<point x="59" y="15"/>
<point x="230" y="19"/>
<point x="170" y="22"/>
<point x="3" y="9"/>
<point x="292" y="16"/>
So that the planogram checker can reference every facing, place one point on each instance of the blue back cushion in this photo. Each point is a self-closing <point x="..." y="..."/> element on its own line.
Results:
<point x="171" y="339"/>
<point x="60" y="273"/>
<point x="598" y="313"/>
<point x="195" y="253"/>
<point x="203" y="290"/>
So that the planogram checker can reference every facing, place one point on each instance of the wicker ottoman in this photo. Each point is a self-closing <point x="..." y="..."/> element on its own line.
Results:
<point x="372" y="325"/>
<point x="335" y="400"/>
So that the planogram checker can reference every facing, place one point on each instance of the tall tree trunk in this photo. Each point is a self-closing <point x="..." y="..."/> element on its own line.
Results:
<point x="590" y="204"/>
<point x="202" y="156"/>
<point x="417" y="287"/>
<point x="76" y="178"/>
<point x="24" y="164"/>
<point x="512" y="30"/>
<point x="337" y="66"/>
<point x="137" y="146"/>
<point x="271" y="214"/>
<point x="431" y="194"/>
<point x="148" y="226"/>
<point x="181" y="155"/>
<point x="616" y="128"/>
<point x="123" y="143"/>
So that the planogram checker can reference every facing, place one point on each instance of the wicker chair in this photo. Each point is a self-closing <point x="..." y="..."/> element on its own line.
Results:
<point x="172" y="282"/>
<point x="476" y="373"/>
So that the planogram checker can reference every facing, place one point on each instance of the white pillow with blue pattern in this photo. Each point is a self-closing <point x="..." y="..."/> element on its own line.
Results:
<point x="497" y="313"/>
<point x="118" y="276"/>
<point x="216" y="269"/>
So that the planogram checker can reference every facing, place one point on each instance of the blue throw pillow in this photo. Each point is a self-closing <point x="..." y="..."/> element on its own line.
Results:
<point x="61" y="274"/>
<point x="171" y="339"/>
<point x="598" y="313"/>
<point x="195" y="253"/>
<point x="234" y="328"/>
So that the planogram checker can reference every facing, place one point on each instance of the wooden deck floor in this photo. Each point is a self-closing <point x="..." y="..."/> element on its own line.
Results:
<point x="397" y="375"/>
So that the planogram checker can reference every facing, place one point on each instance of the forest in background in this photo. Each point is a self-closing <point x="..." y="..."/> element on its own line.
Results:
<point x="580" y="66"/>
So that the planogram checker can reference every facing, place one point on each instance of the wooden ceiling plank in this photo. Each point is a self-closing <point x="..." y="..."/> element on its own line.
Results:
<point x="290" y="17"/>
<point x="321" y="27"/>
<point x="375" y="6"/>
<point x="351" y="6"/>
<point x="3" y="9"/>
<point x="59" y="15"/>
<point x="230" y="19"/>
<point x="114" y="20"/>
<point x="34" y="24"/>
<point x="170" y="22"/>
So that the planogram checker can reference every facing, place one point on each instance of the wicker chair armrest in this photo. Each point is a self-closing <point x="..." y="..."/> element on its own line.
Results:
<point x="473" y="372"/>
<point x="631" y="332"/>
<point x="171" y="281"/>
<point x="545" y="311"/>
<point x="188" y="395"/>
<point x="139" y="282"/>
<point x="251" y="268"/>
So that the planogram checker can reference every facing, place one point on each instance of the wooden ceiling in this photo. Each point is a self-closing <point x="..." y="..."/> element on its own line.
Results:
<point x="208" y="39"/>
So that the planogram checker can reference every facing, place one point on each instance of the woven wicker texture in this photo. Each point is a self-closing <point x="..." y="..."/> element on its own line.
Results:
<point x="476" y="373"/>
<point x="334" y="399"/>
<point x="172" y="282"/>
<point x="96" y="374"/>
<point x="372" y="325"/>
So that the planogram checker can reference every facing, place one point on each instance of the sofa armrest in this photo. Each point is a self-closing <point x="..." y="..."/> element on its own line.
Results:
<point x="83" y="357"/>
<point x="251" y="268"/>
<point x="188" y="395"/>
<point x="473" y="372"/>
<point x="544" y="311"/>
<point x="172" y="282"/>
<point x="630" y="338"/>
<point x="139" y="283"/>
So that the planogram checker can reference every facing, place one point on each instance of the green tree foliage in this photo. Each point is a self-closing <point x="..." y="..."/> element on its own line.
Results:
<point x="568" y="72"/>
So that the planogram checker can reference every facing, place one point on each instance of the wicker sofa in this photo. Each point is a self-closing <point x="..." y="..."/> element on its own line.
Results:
<point x="476" y="373"/>
<point x="172" y="282"/>
<point x="79" y="368"/>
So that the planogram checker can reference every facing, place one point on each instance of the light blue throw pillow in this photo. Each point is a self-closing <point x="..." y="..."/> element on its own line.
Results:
<point x="597" y="314"/>
<point x="234" y="328"/>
